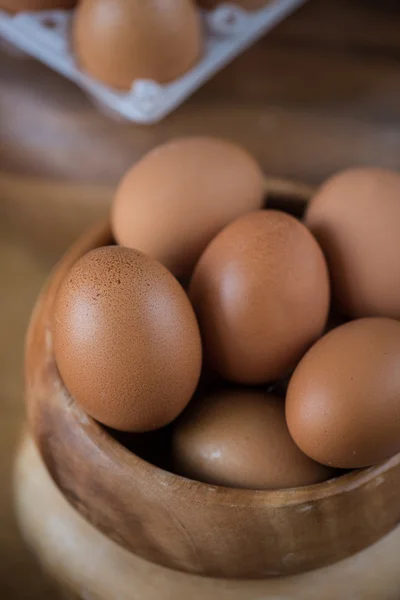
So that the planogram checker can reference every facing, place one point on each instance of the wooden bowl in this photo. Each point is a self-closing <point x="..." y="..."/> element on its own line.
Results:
<point x="183" y="524"/>
<point x="85" y="564"/>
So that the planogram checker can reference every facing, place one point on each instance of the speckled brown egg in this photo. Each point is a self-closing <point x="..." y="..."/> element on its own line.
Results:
<point x="355" y="216"/>
<point x="33" y="5"/>
<point x="239" y="438"/>
<point x="180" y="195"/>
<point x="261" y="293"/>
<point x="126" y="340"/>
<point x="120" y="41"/>
<point x="343" y="400"/>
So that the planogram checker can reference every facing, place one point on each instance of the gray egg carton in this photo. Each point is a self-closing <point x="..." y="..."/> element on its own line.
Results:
<point x="228" y="31"/>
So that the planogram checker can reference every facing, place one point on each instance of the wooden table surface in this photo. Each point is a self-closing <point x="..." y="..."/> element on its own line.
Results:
<point x="319" y="93"/>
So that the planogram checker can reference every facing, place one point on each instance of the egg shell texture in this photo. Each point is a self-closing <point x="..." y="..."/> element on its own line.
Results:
<point x="261" y="293"/>
<point x="343" y="400"/>
<point x="355" y="216"/>
<point x="180" y="195"/>
<point x="239" y="438"/>
<point x="120" y="41"/>
<point x="126" y="339"/>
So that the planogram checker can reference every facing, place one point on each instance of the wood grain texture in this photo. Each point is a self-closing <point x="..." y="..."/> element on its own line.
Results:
<point x="36" y="225"/>
<point x="22" y="274"/>
<point x="85" y="564"/>
<point x="183" y="524"/>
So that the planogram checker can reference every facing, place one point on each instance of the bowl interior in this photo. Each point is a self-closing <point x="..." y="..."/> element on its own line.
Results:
<point x="177" y="522"/>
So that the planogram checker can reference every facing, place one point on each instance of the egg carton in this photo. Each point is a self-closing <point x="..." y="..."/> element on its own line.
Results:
<point x="228" y="31"/>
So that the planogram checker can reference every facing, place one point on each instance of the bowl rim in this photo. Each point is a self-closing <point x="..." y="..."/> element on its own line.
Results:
<point x="193" y="490"/>
<point x="234" y="496"/>
<point x="181" y="523"/>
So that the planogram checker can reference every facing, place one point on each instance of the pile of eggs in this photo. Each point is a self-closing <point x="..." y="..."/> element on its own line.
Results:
<point x="267" y="346"/>
<point x="120" y="41"/>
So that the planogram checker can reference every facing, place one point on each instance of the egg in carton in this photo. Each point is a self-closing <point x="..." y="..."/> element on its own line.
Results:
<point x="226" y="29"/>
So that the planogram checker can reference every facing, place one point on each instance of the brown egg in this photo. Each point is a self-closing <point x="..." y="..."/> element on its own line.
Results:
<point x="239" y="438"/>
<point x="261" y="293"/>
<point x="343" y="400"/>
<point x="179" y="196"/>
<point x="33" y="5"/>
<point x="355" y="216"/>
<point x="119" y="41"/>
<point x="126" y="340"/>
<point x="246" y="4"/>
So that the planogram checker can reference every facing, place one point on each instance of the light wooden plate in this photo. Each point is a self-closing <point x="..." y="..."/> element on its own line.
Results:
<point x="88" y="565"/>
